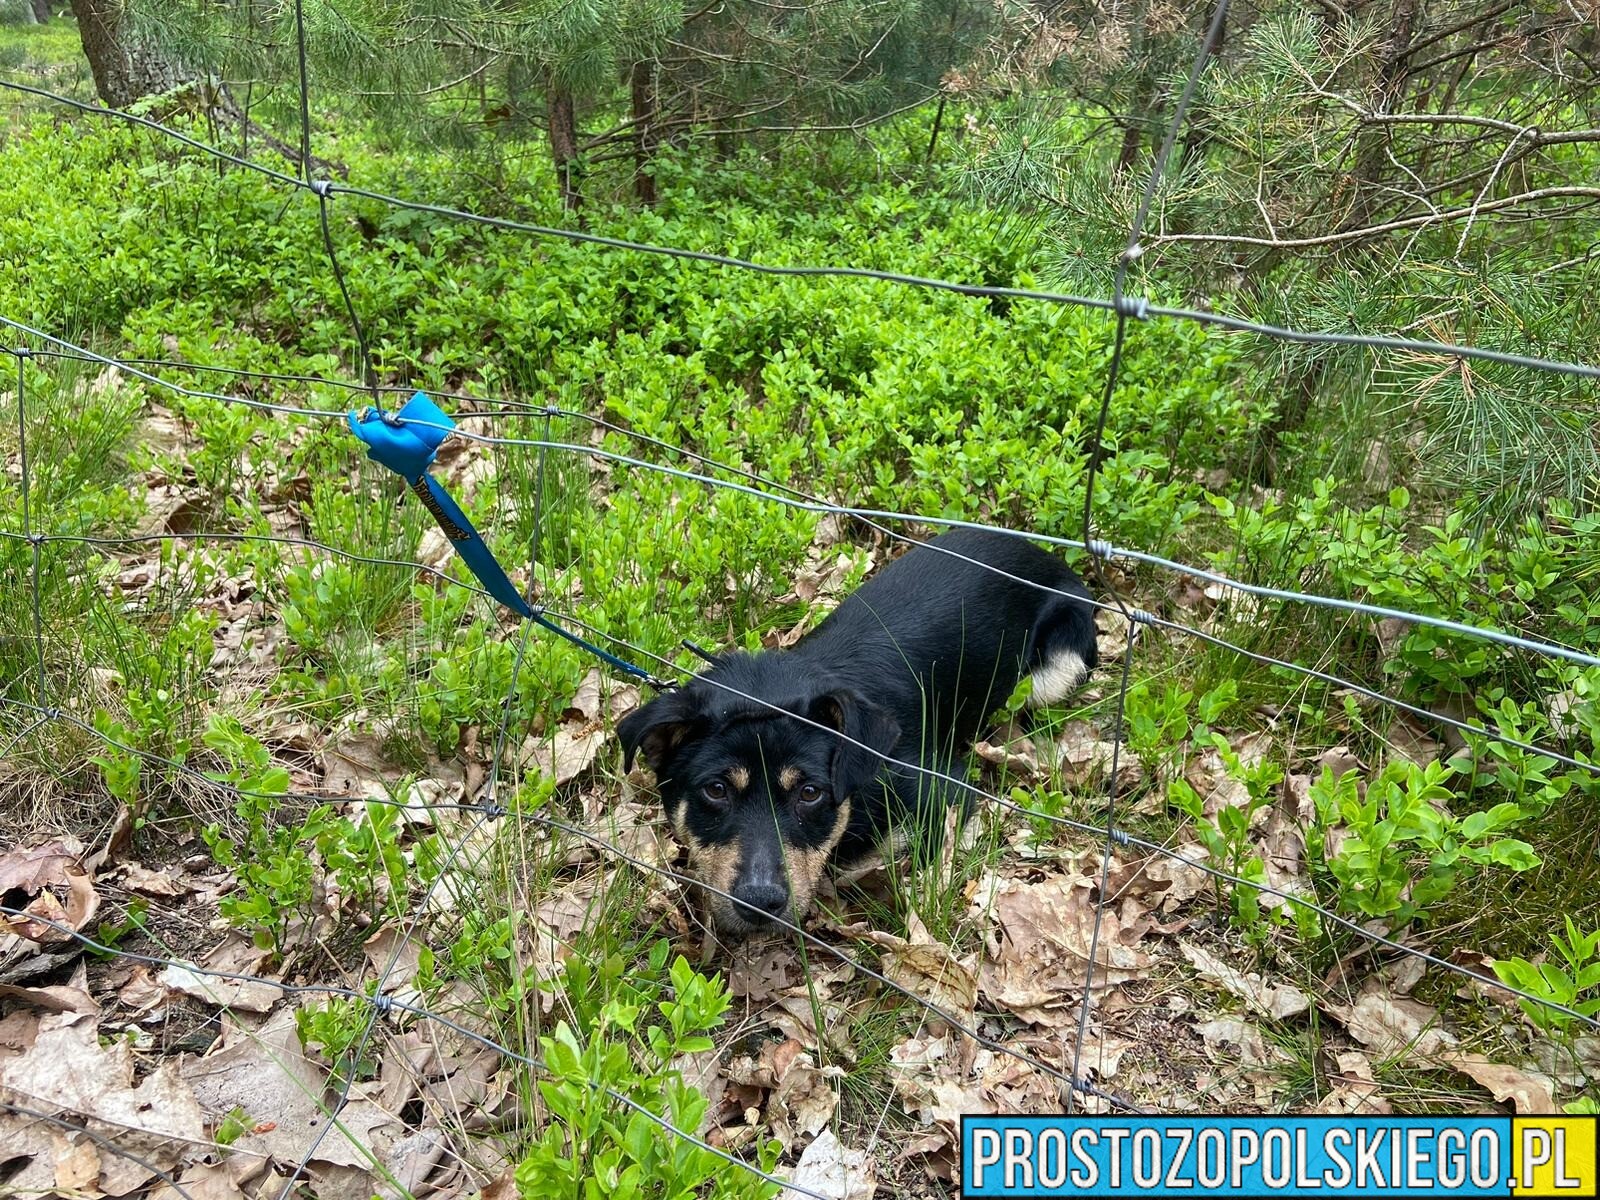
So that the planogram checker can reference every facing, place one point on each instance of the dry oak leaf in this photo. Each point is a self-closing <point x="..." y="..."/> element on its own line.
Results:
<point x="1355" y="1088"/>
<point x="215" y="1181"/>
<point x="1180" y="875"/>
<point x="235" y="956"/>
<point x="77" y="1164"/>
<point x="1394" y="1025"/>
<point x="56" y="998"/>
<point x="354" y="764"/>
<point x="828" y="1168"/>
<point x="268" y="1075"/>
<point x="1530" y="1093"/>
<point x="759" y="977"/>
<point x="802" y="1097"/>
<point x="68" y="1069"/>
<point x="1084" y="757"/>
<point x="1039" y="960"/>
<point x="927" y="968"/>
<point x="50" y="885"/>
<point x="1278" y="1000"/>
<point x="576" y="741"/>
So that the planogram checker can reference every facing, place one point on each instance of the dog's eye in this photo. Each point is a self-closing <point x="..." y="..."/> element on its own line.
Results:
<point x="716" y="792"/>
<point x="811" y="794"/>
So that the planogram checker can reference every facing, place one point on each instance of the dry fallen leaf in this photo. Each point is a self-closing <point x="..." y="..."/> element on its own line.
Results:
<point x="1409" y="743"/>
<point x="1278" y="1000"/>
<point x="57" y="998"/>
<point x="1181" y="879"/>
<point x="1530" y="1093"/>
<point x="48" y="883"/>
<point x="1084" y="758"/>
<point x="68" y="1069"/>
<point x="1355" y="1088"/>
<point x="928" y="968"/>
<point x="757" y="978"/>
<point x="354" y="764"/>
<point x="160" y="884"/>
<point x="77" y="1164"/>
<point x="235" y="956"/>
<point x="1394" y="1026"/>
<point x="828" y="1168"/>
<point x="1038" y="962"/>
<point x="566" y="753"/>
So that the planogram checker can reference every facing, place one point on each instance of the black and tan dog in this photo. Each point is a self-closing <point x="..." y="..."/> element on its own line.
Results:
<point x="909" y="667"/>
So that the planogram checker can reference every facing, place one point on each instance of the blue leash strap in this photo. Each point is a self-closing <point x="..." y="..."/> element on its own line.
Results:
<point x="407" y="442"/>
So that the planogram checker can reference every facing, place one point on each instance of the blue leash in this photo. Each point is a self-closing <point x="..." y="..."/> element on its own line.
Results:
<point x="406" y="442"/>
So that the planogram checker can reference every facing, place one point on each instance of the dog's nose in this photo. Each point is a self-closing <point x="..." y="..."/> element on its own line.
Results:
<point x="765" y="901"/>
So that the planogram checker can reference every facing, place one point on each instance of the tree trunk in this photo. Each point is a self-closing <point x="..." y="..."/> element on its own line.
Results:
<point x="938" y="123"/>
<point x="1387" y="86"/>
<point x="41" y="10"/>
<point x="1128" y="153"/>
<point x="563" y="125"/>
<point x="124" y="69"/>
<point x="1144" y="93"/>
<point x="642" y="83"/>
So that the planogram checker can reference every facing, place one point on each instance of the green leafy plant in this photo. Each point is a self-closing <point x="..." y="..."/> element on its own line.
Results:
<point x="275" y="875"/>
<point x="591" y="1148"/>
<point x="1571" y="978"/>
<point x="336" y="1027"/>
<point x="1227" y="836"/>
<point x="1399" y="849"/>
<point x="234" y="1126"/>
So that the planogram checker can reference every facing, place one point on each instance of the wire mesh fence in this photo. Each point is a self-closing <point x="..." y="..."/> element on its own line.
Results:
<point x="709" y="479"/>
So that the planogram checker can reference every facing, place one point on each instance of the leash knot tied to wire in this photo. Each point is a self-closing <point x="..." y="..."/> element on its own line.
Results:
<point x="407" y="442"/>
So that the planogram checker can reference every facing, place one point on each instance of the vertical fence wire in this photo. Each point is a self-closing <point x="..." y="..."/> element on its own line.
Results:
<point x="490" y="809"/>
<point x="1124" y="307"/>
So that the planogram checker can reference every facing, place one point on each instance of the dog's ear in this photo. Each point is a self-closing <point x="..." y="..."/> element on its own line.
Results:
<point x="659" y="728"/>
<point x="862" y="721"/>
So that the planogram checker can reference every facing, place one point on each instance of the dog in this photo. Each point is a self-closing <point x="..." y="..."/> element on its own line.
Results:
<point x="908" y="667"/>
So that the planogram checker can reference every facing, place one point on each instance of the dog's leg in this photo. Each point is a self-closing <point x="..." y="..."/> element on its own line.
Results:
<point x="921" y="804"/>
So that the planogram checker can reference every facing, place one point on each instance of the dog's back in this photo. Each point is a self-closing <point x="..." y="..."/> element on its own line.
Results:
<point x="945" y="632"/>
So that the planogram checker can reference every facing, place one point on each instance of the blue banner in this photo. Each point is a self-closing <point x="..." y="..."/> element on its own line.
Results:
<point x="1278" y="1156"/>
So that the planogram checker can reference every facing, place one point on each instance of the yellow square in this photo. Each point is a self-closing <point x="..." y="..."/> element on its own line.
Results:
<point x="1554" y="1156"/>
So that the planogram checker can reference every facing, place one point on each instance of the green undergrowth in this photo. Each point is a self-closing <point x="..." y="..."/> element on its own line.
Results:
<point x="196" y="655"/>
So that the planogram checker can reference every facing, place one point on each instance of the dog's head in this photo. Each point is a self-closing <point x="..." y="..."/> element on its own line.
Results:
<point x="760" y="799"/>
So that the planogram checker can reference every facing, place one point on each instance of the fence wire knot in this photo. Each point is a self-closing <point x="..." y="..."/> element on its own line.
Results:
<point x="383" y="1003"/>
<point x="1137" y="307"/>
<point x="1100" y="548"/>
<point x="21" y="352"/>
<point x="321" y="188"/>
<point x="1141" y="617"/>
<point x="492" y="809"/>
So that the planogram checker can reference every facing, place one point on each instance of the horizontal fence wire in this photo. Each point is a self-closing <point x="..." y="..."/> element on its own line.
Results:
<point x="1142" y="308"/>
<point x="1138" y="308"/>
<point x="1122" y="306"/>
<point x="383" y="1005"/>
<point x="1141" y="617"/>
<point x="810" y="504"/>
<point x="1121" y="837"/>
<point x="805" y="503"/>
